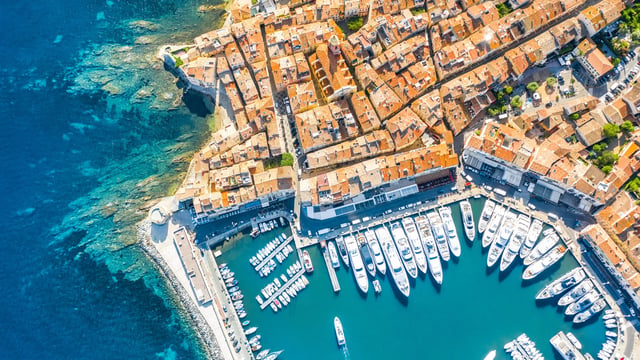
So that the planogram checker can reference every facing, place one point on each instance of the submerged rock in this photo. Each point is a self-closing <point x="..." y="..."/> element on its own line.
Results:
<point x="112" y="89"/>
<point x="144" y="40"/>
<point x="142" y="25"/>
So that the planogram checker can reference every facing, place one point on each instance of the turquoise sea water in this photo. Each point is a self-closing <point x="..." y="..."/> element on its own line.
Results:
<point x="473" y="313"/>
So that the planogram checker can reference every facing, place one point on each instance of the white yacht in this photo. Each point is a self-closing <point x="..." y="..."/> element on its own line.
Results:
<point x="467" y="220"/>
<point x="508" y="224"/>
<point x="562" y="284"/>
<point x="429" y="242"/>
<point x="367" y="257"/>
<point x="359" y="272"/>
<point x="438" y="232"/>
<point x="416" y="244"/>
<point x="404" y="249"/>
<point x="597" y="306"/>
<point x="542" y="248"/>
<point x="485" y="216"/>
<point x="496" y="219"/>
<point x="544" y="263"/>
<point x="377" y="251"/>
<point x="517" y="238"/>
<point x="576" y="293"/>
<point x="342" y="250"/>
<point x="532" y="238"/>
<point x="582" y="304"/>
<point x="333" y="254"/>
<point x="450" y="228"/>
<point x="339" y="331"/>
<point x="390" y="252"/>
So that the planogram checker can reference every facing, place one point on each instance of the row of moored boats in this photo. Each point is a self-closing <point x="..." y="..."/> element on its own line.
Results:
<point x="287" y="293"/>
<point x="523" y="348"/>
<point x="267" y="226"/>
<point x="612" y="325"/>
<point x="267" y="253"/>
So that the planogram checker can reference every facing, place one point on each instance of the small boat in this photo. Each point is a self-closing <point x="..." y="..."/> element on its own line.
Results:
<point x="562" y="284"/>
<point x="485" y="216"/>
<point x="544" y="263"/>
<point x="242" y="314"/>
<point x="278" y="304"/>
<point x="376" y="286"/>
<point x="611" y="334"/>
<point x="246" y="322"/>
<point x="574" y="340"/>
<point x="262" y="354"/>
<point x="546" y="244"/>
<point x="342" y="250"/>
<point x="222" y="266"/>
<point x="576" y="293"/>
<point x="367" y="258"/>
<point x="583" y="303"/>
<point x="238" y="296"/>
<point x="273" y="307"/>
<point x="532" y="238"/>
<point x="450" y="229"/>
<point x="492" y="228"/>
<point x="306" y="259"/>
<point x="283" y="301"/>
<point x="374" y="245"/>
<point x="608" y="316"/>
<point x="284" y="278"/>
<point x="235" y="288"/>
<point x="259" y="299"/>
<point x="276" y="281"/>
<point x="467" y="220"/>
<point x="492" y="354"/>
<point x="339" y="331"/>
<point x="274" y="355"/>
<point x="429" y="244"/>
<point x="228" y="275"/>
<point x="256" y="347"/>
<point x="333" y="254"/>
<point x="232" y="284"/>
<point x="286" y="297"/>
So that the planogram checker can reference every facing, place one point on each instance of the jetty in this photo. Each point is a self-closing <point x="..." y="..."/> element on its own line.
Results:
<point x="565" y="347"/>
<point x="332" y="272"/>
<point x="282" y="289"/>
<point x="265" y="261"/>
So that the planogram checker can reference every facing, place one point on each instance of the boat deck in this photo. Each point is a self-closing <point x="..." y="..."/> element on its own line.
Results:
<point x="565" y="347"/>
<point x="332" y="272"/>
<point x="282" y="289"/>
<point x="265" y="261"/>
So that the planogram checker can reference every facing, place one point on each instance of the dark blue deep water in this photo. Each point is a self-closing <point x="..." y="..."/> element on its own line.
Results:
<point x="92" y="130"/>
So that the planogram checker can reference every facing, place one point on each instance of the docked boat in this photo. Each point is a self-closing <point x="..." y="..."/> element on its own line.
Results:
<point x="532" y="238"/>
<point x="333" y="254"/>
<point x="398" y="274"/>
<point x="467" y="220"/>
<point x="262" y="354"/>
<point x="273" y="355"/>
<point x="306" y="259"/>
<point x="594" y="309"/>
<point x="250" y="330"/>
<point x="342" y="250"/>
<point x="232" y="284"/>
<point x="365" y="251"/>
<point x="374" y="245"/>
<point x="339" y="331"/>
<point x="404" y="249"/>
<point x="416" y="243"/>
<point x="485" y="216"/>
<point x="508" y="224"/>
<point x="517" y="238"/>
<point x="576" y="293"/>
<point x="438" y="232"/>
<point x="491" y="355"/>
<point x="562" y="284"/>
<point x="582" y="304"/>
<point x="357" y="265"/>
<point x="544" y="263"/>
<point x="238" y="296"/>
<point x="429" y="243"/>
<point x="376" y="286"/>
<point x="492" y="229"/>
<point x="546" y="244"/>
<point x="574" y="340"/>
<point x="450" y="229"/>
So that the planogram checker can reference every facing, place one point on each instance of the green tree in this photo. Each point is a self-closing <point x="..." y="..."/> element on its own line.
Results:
<point x="633" y="185"/>
<point x="615" y="61"/>
<point x="516" y="102"/>
<point x="287" y="160"/>
<point x="551" y="81"/>
<point x="355" y="24"/>
<point x="626" y="126"/>
<point x="508" y="90"/>
<point x="607" y="158"/>
<point x="533" y="86"/>
<point x="493" y="111"/>
<point x="575" y="116"/>
<point x="607" y="169"/>
<point x="600" y="147"/>
<point x="610" y="131"/>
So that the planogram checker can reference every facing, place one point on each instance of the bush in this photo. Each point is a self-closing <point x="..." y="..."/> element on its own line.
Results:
<point x="179" y="61"/>
<point x="610" y="131"/>
<point x="633" y="186"/>
<point x="503" y="9"/>
<point x="516" y="102"/>
<point x="600" y="147"/>
<point x="508" y="90"/>
<point x="575" y="116"/>
<point x="615" y="61"/>
<point x="355" y="24"/>
<point x="627" y="126"/>
<point x="607" y="169"/>
<point x="533" y="86"/>
<point x="551" y="81"/>
<point x="607" y="158"/>
<point x="287" y="160"/>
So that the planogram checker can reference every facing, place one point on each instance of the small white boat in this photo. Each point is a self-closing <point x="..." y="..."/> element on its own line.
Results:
<point x="574" y="340"/>
<point x="274" y="307"/>
<point x="308" y="266"/>
<point x="416" y="244"/>
<point x="250" y="330"/>
<point x="491" y="355"/>
<point x="485" y="216"/>
<point x="376" y="286"/>
<point x="259" y="299"/>
<point x="339" y="331"/>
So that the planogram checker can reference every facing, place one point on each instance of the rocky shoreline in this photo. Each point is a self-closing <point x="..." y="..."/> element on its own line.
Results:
<point x="194" y="316"/>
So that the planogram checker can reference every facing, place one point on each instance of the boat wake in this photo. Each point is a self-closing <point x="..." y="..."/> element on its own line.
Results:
<point x="345" y="351"/>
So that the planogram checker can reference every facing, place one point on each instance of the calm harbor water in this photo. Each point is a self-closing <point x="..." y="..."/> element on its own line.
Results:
<point x="474" y="312"/>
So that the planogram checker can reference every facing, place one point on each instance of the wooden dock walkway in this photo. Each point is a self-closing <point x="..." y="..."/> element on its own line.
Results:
<point x="332" y="272"/>
<point x="282" y="289"/>
<point x="265" y="261"/>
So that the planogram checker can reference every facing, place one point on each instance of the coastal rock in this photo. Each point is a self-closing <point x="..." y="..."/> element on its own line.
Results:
<point x="206" y="8"/>
<point x="142" y="94"/>
<point x="144" y="40"/>
<point x="108" y="210"/>
<point x="112" y="89"/>
<point x="142" y="25"/>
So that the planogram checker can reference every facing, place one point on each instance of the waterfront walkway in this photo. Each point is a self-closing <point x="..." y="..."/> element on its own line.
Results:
<point x="265" y="261"/>
<point x="332" y="272"/>
<point x="281" y="289"/>
<point x="253" y="224"/>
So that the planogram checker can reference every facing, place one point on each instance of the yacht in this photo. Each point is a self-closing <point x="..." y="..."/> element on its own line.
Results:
<point x="357" y="265"/>
<point x="467" y="220"/>
<point x="273" y="355"/>
<point x="365" y="251"/>
<point x="597" y="306"/>
<point x="562" y="284"/>
<point x="494" y="224"/>
<point x="548" y="242"/>
<point x="306" y="259"/>
<point x="374" y="245"/>
<point x="438" y="233"/>
<point x="450" y="228"/>
<point x="416" y="244"/>
<point x="429" y="243"/>
<point x="532" y="237"/>
<point x="491" y="355"/>
<point x="576" y="293"/>
<point x="544" y="263"/>
<point x="404" y="249"/>
<point x="485" y="216"/>
<point x="342" y="250"/>
<point x="339" y="331"/>
<point x="393" y="259"/>
<point x="517" y="238"/>
<point x="333" y="254"/>
<point x="508" y="224"/>
<point x="582" y="304"/>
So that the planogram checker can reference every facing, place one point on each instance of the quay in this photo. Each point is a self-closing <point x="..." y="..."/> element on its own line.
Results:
<point x="332" y="272"/>
<point x="282" y="289"/>
<point x="565" y="348"/>
<point x="213" y="241"/>
<point x="273" y="253"/>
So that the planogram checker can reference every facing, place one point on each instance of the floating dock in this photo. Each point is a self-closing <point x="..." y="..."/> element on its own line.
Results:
<point x="565" y="347"/>
<point x="282" y="289"/>
<point x="265" y="261"/>
<point x="332" y="272"/>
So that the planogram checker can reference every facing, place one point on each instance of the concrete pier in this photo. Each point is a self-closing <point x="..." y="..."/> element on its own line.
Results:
<point x="265" y="261"/>
<point x="565" y="347"/>
<point x="281" y="289"/>
<point x="332" y="272"/>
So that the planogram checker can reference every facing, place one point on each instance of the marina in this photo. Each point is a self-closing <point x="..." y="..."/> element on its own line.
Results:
<point x="425" y="301"/>
<point x="277" y="250"/>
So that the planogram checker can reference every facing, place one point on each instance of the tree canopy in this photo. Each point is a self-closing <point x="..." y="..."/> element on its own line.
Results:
<point x="627" y="126"/>
<point x="533" y="86"/>
<point x="610" y="131"/>
<point x="516" y="102"/>
<point x="287" y="160"/>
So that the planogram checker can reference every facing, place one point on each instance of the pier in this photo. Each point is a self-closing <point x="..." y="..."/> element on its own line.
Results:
<point x="565" y="347"/>
<point x="332" y="272"/>
<point x="273" y="253"/>
<point x="281" y="289"/>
